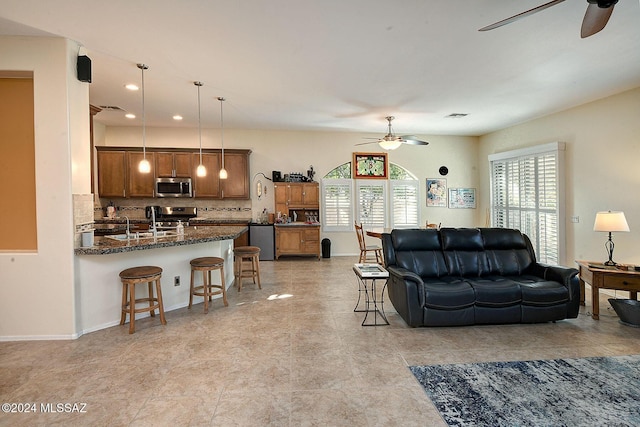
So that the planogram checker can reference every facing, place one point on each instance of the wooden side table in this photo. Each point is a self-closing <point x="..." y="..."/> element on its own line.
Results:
<point x="601" y="276"/>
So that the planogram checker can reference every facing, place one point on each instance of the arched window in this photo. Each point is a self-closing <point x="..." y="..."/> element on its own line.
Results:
<point x="391" y="203"/>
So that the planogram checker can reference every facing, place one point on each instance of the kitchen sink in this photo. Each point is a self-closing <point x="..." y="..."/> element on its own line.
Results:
<point x="142" y="235"/>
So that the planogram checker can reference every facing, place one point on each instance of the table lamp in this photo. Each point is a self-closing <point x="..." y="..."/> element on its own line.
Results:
<point x="609" y="222"/>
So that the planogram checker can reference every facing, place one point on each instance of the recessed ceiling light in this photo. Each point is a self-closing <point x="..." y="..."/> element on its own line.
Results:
<point x="456" y="115"/>
<point x="177" y="117"/>
<point x="130" y="116"/>
<point x="131" y="86"/>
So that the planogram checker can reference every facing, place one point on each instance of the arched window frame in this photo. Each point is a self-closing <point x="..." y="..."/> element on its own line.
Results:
<point x="392" y="203"/>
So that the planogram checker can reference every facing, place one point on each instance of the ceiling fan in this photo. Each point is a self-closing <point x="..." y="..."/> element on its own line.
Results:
<point x="595" y="18"/>
<point x="390" y="141"/>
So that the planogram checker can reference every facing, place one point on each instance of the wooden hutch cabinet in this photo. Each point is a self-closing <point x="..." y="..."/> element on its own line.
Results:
<point x="299" y="201"/>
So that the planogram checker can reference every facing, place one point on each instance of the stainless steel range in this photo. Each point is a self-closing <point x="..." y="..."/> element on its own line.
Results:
<point x="168" y="217"/>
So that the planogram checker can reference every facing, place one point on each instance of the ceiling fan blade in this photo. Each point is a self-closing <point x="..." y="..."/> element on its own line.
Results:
<point x="595" y="19"/>
<point x="365" y="143"/>
<point x="412" y="140"/>
<point x="520" y="15"/>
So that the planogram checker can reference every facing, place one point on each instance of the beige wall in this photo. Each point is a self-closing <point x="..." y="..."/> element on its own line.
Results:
<point x="38" y="293"/>
<point x="291" y="151"/>
<point x="602" y="169"/>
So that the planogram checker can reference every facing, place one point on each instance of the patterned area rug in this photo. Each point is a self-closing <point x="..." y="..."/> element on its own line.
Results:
<point x="596" y="391"/>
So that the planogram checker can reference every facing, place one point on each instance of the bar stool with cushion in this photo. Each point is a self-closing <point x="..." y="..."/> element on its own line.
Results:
<point x="130" y="278"/>
<point x="242" y="254"/>
<point x="207" y="265"/>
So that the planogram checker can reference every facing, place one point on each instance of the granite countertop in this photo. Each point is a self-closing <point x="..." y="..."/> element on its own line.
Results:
<point x="201" y="220"/>
<point x="192" y="235"/>
<point x="299" y="224"/>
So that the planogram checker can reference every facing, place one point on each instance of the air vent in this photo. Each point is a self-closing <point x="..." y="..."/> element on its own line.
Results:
<point x="111" y="107"/>
<point x="456" y="115"/>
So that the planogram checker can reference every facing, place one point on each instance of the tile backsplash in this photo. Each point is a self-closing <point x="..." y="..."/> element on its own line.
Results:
<point x="214" y="209"/>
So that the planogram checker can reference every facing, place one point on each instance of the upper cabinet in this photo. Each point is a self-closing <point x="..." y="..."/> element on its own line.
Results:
<point x="118" y="174"/>
<point x="140" y="184"/>
<point x="208" y="186"/>
<point x="296" y="195"/>
<point x="112" y="172"/>
<point x="173" y="165"/>
<point x="236" y="186"/>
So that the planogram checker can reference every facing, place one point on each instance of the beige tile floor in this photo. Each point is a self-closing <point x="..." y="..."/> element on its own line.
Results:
<point x="269" y="359"/>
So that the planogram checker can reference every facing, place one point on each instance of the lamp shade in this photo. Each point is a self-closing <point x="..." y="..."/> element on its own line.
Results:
<point x="610" y="221"/>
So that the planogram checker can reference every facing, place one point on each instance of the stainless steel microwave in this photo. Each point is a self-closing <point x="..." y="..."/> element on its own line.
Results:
<point x="174" y="187"/>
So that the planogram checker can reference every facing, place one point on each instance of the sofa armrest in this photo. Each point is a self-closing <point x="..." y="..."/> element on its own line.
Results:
<point x="561" y="274"/>
<point x="568" y="277"/>
<point x="406" y="292"/>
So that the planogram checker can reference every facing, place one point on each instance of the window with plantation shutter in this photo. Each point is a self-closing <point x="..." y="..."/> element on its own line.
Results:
<point x="371" y="202"/>
<point x="404" y="203"/>
<point x="337" y="214"/>
<point x="527" y="193"/>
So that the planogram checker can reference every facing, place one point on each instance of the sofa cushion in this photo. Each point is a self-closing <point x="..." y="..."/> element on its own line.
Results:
<point x="544" y="293"/>
<point x="448" y="294"/>
<point x="419" y="251"/>
<point x="507" y="251"/>
<point x="464" y="252"/>
<point x="495" y="291"/>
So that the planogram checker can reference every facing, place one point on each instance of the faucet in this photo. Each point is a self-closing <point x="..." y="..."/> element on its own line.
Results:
<point x="128" y="224"/>
<point x="154" y="230"/>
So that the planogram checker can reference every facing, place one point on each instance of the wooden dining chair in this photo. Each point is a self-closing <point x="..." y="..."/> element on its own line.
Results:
<point x="367" y="252"/>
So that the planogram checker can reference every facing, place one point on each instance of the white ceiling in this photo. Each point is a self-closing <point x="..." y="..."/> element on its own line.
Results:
<point x="340" y="64"/>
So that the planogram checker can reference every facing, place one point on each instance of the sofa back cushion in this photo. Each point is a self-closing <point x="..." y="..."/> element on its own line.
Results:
<point x="508" y="251"/>
<point x="463" y="250"/>
<point x="419" y="251"/>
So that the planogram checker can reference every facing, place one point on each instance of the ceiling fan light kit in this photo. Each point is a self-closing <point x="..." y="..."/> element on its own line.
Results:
<point x="595" y="18"/>
<point x="390" y="141"/>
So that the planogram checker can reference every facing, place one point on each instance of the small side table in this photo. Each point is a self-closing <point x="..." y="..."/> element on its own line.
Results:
<point x="367" y="276"/>
<point x="606" y="277"/>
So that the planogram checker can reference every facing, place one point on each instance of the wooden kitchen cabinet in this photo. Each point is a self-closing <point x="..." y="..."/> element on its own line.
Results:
<point x="206" y="187"/>
<point x="297" y="240"/>
<point x="119" y="177"/>
<point x="140" y="184"/>
<point x="174" y="165"/>
<point x="112" y="167"/>
<point x="236" y="186"/>
<point x="296" y="195"/>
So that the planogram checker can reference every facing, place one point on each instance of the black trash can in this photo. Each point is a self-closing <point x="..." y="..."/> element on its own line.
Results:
<point x="326" y="248"/>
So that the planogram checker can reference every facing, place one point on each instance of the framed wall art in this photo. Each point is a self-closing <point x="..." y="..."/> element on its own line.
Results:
<point x="370" y="165"/>
<point x="437" y="192"/>
<point x="462" y="198"/>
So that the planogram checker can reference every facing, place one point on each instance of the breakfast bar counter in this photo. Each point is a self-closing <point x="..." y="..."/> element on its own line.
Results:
<point x="99" y="290"/>
<point x="105" y="245"/>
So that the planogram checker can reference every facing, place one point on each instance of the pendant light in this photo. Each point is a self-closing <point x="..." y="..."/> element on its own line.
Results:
<point x="144" y="166"/>
<point x="223" y="171"/>
<point x="201" y="171"/>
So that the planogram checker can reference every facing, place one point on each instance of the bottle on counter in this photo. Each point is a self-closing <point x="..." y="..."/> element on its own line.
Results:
<point x="180" y="228"/>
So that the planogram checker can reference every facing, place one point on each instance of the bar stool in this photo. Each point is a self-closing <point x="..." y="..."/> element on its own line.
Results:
<point x="130" y="278"/>
<point x="207" y="265"/>
<point x="246" y="253"/>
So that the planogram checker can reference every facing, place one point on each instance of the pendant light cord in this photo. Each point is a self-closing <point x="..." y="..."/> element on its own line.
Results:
<point x="144" y="127"/>
<point x="221" y="99"/>
<point x="198" y="84"/>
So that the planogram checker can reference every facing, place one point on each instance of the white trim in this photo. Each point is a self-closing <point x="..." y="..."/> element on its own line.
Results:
<point x="528" y="151"/>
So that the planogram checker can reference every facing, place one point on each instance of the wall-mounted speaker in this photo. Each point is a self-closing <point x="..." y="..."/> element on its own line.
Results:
<point x="84" y="68"/>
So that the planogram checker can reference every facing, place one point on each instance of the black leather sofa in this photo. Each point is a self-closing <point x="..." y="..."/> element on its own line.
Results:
<point x="465" y="276"/>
